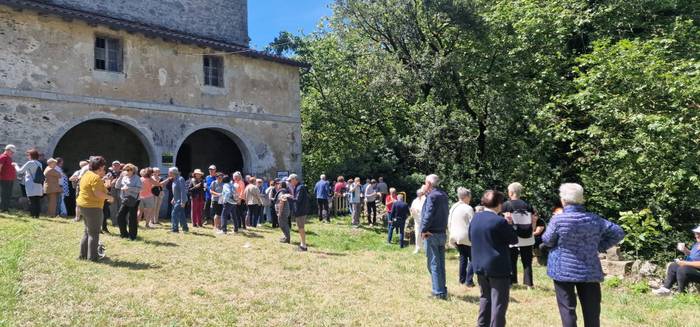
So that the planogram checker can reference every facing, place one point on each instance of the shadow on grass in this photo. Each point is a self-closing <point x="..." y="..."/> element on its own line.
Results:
<point x="468" y="298"/>
<point x="159" y="243"/>
<point x="249" y="234"/>
<point x="331" y="254"/>
<point x="129" y="265"/>
<point x="201" y="234"/>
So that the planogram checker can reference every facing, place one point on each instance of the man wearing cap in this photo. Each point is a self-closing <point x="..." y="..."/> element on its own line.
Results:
<point x="113" y="174"/>
<point x="683" y="271"/>
<point x="8" y="174"/>
<point x="207" y="193"/>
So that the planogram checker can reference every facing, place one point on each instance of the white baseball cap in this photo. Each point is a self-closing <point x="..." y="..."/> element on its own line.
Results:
<point x="11" y="147"/>
<point x="697" y="229"/>
<point x="212" y="167"/>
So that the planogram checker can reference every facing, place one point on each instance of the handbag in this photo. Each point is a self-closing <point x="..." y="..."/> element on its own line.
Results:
<point x="39" y="177"/>
<point x="131" y="201"/>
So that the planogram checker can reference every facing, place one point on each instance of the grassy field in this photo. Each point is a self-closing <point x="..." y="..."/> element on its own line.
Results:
<point x="349" y="277"/>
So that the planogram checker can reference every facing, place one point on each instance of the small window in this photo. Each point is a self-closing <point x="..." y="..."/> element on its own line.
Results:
<point x="108" y="54"/>
<point x="213" y="71"/>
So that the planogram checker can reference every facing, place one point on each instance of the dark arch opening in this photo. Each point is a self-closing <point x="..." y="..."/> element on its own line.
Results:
<point x="105" y="138"/>
<point x="207" y="147"/>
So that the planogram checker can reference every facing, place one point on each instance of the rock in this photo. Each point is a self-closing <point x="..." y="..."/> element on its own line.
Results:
<point x="648" y="269"/>
<point x="614" y="254"/>
<point x="636" y="266"/>
<point x="616" y="268"/>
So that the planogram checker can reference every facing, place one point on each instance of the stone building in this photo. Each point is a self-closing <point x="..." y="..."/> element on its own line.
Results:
<point x="156" y="83"/>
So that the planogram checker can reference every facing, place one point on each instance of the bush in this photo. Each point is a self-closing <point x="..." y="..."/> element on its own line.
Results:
<point x="613" y="282"/>
<point x="639" y="288"/>
<point x="643" y="233"/>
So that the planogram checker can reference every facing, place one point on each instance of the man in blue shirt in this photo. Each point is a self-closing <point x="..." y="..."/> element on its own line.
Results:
<point x="685" y="271"/>
<point x="207" y="196"/>
<point x="434" y="226"/>
<point x="323" y="191"/>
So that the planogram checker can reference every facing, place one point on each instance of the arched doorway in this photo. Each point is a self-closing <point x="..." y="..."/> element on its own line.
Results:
<point x="102" y="137"/>
<point x="206" y="147"/>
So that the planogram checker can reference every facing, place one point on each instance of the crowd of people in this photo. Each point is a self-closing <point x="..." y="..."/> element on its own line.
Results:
<point x="489" y="238"/>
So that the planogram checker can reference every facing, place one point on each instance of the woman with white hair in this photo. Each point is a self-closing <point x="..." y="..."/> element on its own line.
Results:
<point x="416" y="207"/>
<point x="575" y="238"/>
<point x="461" y="215"/>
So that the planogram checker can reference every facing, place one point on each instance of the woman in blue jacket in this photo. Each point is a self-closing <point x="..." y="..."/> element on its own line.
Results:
<point x="575" y="238"/>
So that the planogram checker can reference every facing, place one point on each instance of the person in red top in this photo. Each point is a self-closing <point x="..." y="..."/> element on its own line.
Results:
<point x="390" y="199"/>
<point x="8" y="175"/>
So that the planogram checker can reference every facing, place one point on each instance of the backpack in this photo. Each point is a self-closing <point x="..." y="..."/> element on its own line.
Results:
<point x="39" y="177"/>
<point x="522" y="222"/>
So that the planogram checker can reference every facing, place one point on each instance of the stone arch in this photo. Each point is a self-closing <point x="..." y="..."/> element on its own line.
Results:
<point x="227" y="163"/>
<point x="125" y="140"/>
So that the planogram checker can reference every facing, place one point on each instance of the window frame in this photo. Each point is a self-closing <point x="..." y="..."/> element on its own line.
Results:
<point x="213" y="70"/>
<point x="109" y="55"/>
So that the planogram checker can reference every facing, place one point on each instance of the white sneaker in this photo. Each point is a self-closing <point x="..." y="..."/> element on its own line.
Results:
<point x="219" y="232"/>
<point x="661" y="291"/>
<point x="416" y="251"/>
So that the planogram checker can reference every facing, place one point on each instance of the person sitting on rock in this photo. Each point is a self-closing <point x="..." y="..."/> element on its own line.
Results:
<point x="683" y="271"/>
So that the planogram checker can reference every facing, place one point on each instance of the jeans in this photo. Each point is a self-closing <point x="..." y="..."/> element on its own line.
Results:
<point x="356" y="210"/>
<point x="127" y="215"/>
<point x="92" y="217"/>
<point x="35" y="206"/>
<point x="435" y="253"/>
<point x="493" y="303"/>
<point x="682" y="275"/>
<point x="178" y="218"/>
<point x="588" y="293"/>
<point x="253" y="215"/>
<point x="466" y="273"/>
<point x="323" y="210"/>
<point x="5" y="195"/>
<point x="399" y="225"/>
<point x="526" y="256"/>
<point x="228" y="213"/>
<point x="371" y="212"/>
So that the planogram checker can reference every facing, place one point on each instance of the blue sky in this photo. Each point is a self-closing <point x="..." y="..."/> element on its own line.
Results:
<point x="266" y="18"/>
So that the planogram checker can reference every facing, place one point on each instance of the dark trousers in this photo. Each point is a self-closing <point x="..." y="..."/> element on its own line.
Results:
<point x="588" y="294"/>
<point x="106" y="213"/>
<point x="323" y="210"/>
<point x="273" y="214"/>
<point x="5" y="195"/>
<point x="372" y="212"/>
<point x="493" y="303"/>
<point x="241" y="210"/>
<point x="253" y="215"/>
<point x="34" y="206"/>
<point x="526" y="256"/>
<point x="229" y="214"/>
<point x="207" y="209"/>
<point x="127" y="216"/>
<point x="681" y="275"/>
<point x="466" y="274"/>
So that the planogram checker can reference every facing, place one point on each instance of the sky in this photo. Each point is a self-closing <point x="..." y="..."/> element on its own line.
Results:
<point x="266" y="18"/>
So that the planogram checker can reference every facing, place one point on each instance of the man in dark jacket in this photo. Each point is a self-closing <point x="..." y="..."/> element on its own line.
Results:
<point x="434" y="226"/>
<point x="398" y="219"/>
<point x="300" y="207"/>
<point x="491" y="235"/>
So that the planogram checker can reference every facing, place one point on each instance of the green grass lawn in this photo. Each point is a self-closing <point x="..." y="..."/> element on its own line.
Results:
<point x="348" y="277"/>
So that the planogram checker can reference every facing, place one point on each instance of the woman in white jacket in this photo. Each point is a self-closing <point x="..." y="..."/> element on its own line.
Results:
<point x="416" y="207"/>
<point x="461" y="215"/>
<point x="34" y="190"/>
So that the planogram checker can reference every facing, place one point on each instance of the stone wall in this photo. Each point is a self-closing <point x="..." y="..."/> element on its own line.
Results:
<point x="223" y="20"/>
<point x="48" y="85"/>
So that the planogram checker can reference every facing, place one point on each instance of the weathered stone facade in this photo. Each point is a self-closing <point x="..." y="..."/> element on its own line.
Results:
<point x="48" y="85"/>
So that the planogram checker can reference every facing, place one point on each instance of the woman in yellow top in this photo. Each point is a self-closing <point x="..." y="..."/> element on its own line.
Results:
<point x="93" y="194"/>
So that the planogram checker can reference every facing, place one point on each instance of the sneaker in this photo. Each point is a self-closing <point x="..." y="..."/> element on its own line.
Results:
<point x="302" y="248"/>
<point x="661" y="291"/>
<point x="284" y="240"/>
<point x="173" y="231"/>
<point x="416" y="251"/>
<point x="220" y="232"/>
